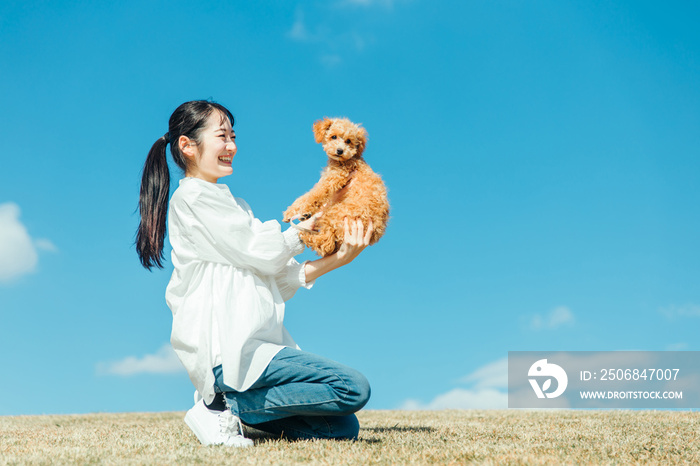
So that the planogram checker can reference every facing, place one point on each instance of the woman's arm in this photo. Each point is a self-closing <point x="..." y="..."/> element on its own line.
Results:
<point x="354" y="242"/>
<point x="218" y="228"/>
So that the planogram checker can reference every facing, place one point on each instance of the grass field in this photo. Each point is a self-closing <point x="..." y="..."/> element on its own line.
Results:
<point x="386" y="437"/>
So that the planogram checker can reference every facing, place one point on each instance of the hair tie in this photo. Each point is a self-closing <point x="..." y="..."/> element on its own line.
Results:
<point x="166" y="136"/>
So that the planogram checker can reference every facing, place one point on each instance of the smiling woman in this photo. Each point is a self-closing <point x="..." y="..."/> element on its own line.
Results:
<point x="232" y="275"/>
<point x="213" y="152"/>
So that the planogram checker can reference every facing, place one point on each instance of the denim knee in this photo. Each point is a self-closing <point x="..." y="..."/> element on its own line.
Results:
<point x="358" y="392"/>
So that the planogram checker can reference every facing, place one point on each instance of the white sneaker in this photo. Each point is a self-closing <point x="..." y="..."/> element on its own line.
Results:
<point x="216" y="427"/>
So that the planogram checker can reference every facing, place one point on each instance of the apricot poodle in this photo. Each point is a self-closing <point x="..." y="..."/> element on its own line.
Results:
<point x="348" y="188"/>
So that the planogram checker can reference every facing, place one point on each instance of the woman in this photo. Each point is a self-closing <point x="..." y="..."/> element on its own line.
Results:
<point x="232" y="275"/>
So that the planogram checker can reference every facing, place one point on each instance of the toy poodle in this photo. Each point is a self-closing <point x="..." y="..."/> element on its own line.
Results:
<point x="348" y="188"/>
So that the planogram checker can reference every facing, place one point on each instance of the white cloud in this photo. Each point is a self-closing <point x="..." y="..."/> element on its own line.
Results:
<point x="18" y="252"/>
<point x="299" y="30"/>
<point x="331" y="60"/>
<point x="319" y="30"/>
<point x="674" y="312"/>
<point x="492" y="375"/>
<point x="488" y="391"/>
<point x="164" y="361"/>
<point x="558" y="317"/>
<point x="460" y="398"/>
<point x="45" y="245"/>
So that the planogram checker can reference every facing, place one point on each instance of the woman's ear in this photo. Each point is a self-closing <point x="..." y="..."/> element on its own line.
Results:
<point x="186" y="146"/>
<point x="321" y="127"/>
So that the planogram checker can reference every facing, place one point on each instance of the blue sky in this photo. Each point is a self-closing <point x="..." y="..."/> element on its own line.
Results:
<point x="542" y="160"/>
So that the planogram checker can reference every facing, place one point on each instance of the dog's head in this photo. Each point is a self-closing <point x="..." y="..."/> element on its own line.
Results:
<point x="341" y="138"/>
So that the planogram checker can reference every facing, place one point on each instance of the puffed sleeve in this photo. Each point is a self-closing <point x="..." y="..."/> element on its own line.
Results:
<point x="291" y="278"/>
<point x="221" y="230"/>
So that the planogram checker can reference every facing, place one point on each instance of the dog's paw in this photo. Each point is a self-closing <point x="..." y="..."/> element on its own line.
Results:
<point x="290" y="215"/>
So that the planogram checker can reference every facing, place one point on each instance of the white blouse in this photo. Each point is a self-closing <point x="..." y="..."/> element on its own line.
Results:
<point x="232" y="275"/>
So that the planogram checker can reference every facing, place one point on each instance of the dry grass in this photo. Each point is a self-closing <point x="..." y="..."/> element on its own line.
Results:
<point x="387" y="437"/>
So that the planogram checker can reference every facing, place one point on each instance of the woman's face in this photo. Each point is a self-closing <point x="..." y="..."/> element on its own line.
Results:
<point x="215" y="150"/>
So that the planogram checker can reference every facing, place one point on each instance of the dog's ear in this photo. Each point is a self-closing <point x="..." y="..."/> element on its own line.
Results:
<point x="362" y="137"/>
<point x="321" y="127"/>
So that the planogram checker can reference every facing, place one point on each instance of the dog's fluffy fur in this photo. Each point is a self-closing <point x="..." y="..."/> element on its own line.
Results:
<point x="365" y="197"/>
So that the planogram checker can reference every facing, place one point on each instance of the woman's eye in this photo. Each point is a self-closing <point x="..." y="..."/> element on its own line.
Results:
<point x="334" y="137"/>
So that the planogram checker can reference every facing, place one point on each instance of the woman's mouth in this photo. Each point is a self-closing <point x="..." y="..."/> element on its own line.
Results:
<point x="226" y="158"/>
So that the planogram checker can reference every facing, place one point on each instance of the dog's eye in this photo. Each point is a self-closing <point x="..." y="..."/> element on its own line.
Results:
<point x="347" y="141"/>
<point x="334" y="137"/>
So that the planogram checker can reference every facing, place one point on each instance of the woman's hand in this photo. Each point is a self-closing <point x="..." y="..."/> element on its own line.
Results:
<point x="355" y="241"/>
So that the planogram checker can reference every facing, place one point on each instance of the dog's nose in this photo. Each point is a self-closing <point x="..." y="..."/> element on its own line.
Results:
<point x="339" y="151"/>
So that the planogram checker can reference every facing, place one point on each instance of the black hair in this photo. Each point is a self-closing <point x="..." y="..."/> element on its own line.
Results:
<point x="189" y="119"/>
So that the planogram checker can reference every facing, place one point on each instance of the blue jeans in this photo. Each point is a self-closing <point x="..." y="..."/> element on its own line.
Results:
<point x="301" y="396"/>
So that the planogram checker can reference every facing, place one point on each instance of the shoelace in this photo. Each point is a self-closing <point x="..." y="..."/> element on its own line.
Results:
<point x="230" y="425"/>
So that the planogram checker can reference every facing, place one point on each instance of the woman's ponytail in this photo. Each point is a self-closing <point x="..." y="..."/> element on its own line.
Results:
<point x="153" y="205"/>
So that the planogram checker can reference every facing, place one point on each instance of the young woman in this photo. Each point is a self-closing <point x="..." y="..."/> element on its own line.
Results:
<point x="232" y="275"/>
